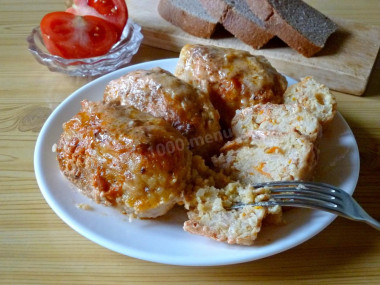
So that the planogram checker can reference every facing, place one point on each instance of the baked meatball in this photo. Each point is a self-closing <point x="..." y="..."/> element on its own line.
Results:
<point x="161" y="94"/>
<point x="234" y="79"/>
<point x="122" y="157"/>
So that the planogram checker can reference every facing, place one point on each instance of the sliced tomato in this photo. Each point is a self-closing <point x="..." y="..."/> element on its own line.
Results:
<point x="71" y="36"/>
<point x="114" y="11"/>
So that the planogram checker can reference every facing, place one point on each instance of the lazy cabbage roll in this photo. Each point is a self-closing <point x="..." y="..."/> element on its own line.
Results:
<point x="122" y="157"/>
<point x="161" y="94"/>
<point x="234" y="79"/>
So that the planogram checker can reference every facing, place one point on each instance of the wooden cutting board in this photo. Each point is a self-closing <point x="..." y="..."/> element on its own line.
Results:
<point x="344" y="65"/>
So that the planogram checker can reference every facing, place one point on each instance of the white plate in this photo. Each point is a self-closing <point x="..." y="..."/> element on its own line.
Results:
<point x="163" y="240"/>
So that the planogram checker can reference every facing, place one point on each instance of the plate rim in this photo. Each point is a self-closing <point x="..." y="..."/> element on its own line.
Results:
<point x="111" y="245"/>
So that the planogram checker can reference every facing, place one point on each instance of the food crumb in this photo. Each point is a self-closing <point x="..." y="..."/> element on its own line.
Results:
<point x="54" y="148"/>
<point x="85" y="207"/>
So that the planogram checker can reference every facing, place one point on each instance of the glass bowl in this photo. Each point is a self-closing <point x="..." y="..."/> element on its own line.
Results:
<point x="119" y="55"/>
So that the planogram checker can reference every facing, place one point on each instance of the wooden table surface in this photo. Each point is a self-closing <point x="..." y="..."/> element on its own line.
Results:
<point x="36" y="247"/>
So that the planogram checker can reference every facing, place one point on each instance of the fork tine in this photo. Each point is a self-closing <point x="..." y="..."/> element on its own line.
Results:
<point x="291" y="203"/>
<point x="313" y="195"/>
<point x="308" y="192"/>
<point x="305" y="187"/>
<point x="302" y="199"/>
<point x="300" y="184"/>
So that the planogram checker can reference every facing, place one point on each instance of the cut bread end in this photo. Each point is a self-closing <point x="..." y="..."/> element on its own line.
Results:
<point x="236" y="18"/>
<point x="189" y="16"/>
<point x="302" y="27"/>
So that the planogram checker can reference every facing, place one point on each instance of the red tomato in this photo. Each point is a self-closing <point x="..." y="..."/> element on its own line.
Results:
<point x="72" y="36"/>
<point x="114" y="11"/>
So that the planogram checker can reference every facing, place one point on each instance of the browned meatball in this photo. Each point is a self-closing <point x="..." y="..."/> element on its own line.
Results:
<point x="125" y="158"/>
<point x="233" y="78"/>
<point x="161" y="94"/>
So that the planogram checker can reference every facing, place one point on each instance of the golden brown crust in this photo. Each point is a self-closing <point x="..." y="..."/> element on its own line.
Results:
<point x="233" y="78"/>
<point x="160" y="93"/>
<point x="125" y="158"/>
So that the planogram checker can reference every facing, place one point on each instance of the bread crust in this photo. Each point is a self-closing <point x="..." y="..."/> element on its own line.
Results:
<point x="238" y="25"/>
<point x="280" y="27"/>
<point x="189" y="23"/>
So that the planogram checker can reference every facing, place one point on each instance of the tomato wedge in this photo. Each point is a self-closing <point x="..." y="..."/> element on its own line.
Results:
<point x="71" y="36"/>
<point x="113" y="11"/>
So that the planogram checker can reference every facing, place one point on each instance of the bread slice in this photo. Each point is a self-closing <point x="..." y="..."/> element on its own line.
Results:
<point x="189" y="15"/>
<point x="266" y="156"/>
<point x="239" y="20"/>
<point x="276" y="117"/>
<point x="299" y="25"/>
<point x="313" y="96"/>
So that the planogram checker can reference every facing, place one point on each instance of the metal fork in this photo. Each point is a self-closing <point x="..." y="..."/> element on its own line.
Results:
<point x="313" y="195"/>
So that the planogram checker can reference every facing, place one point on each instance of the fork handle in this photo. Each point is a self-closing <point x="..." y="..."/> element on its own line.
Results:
<point x="371" y="221"/>
<point x="362" y="216"/>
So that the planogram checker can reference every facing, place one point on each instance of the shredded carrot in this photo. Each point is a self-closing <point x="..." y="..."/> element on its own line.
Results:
<point x="259" y="169"/>
<point x="274" y="149"/>
<point x="273" y="121"/>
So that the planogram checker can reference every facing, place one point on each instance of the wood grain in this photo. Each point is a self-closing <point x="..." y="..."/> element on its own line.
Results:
<point x="36" y="247"/>
<point x="345" y="63"/>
